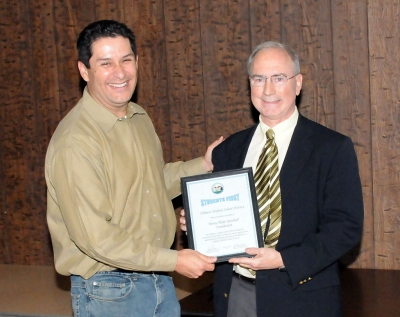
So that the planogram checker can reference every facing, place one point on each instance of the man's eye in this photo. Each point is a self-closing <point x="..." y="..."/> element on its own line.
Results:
<point x="279" y="79"/>
<point x="105" y="63"/>
<point x="258" y="79"/>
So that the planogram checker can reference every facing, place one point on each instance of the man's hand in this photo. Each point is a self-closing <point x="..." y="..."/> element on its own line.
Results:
<point x="208" y="165"/>
<point x="265" y="259"/>
<point x="182" y="220"/>
<point x="193" y="264"/>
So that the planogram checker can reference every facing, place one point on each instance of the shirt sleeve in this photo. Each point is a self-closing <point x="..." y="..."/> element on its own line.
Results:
<point x="174" y="171"/>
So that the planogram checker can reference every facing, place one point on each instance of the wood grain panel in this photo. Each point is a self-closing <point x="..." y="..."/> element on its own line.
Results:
<point x="24" y="194"/>
<point x="146" y="19"/>
<point x="291" y="34"/>
<point x="6" y="14"/>
<point x="265" y="21"/>
<point x="72" y="17"/>
<point x="226" y="45"/>
<point x="12" y="142"/>
<point x="306" y="26"/>
<point x="110" y="10"/>
<point x="185" y="81"/>
<point x="193" y="83"/>
<point x="384" y="45"/>
<point x="36" y="132"/>
<point x="352" y="111"/>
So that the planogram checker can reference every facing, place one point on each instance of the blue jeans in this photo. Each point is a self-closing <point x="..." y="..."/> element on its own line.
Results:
<point x="120" y="294"/>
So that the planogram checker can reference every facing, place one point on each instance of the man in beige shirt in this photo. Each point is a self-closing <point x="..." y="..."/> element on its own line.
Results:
<point x="109" y="191"/>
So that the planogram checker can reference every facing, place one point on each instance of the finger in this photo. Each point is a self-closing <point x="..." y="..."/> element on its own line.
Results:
<point x="183" y="227"/>
<point x="242" y="261"/>
<point x="211" y="259"/>
<point x="236" y="260"/>
<point x="252" y="251"/>
<point x="241" y="264"/>
<point x="182" y="212"/>
<point x="218" y="141"/>
<point x="206" y="258"/>
<point x="210" y="267"/>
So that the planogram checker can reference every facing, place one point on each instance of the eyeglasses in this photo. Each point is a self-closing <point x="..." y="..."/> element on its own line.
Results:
<point x="276" y="80"/>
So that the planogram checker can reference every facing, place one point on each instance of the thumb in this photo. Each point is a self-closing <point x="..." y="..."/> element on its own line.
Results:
<point x="210" y="259"/>
<point x="252" y="251"/>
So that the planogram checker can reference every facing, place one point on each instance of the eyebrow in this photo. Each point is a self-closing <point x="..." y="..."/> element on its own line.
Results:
<point x="108" y="58"/>
<point x="279" y="74"/>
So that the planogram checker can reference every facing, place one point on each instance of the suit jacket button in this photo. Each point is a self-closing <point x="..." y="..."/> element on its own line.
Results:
<point x="225" y="295"/>
<point x="301" y="282"/>
<point x="309" y="278"/>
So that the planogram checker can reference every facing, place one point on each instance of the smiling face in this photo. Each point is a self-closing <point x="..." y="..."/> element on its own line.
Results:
<point x="112" y="76"/>
<point x="275" y="104"/>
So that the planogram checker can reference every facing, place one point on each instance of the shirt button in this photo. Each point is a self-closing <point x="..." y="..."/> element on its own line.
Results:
<point x="147" y="191"/>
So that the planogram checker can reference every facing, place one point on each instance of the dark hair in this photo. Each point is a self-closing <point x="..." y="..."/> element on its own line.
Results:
<point x="100" y="29"/>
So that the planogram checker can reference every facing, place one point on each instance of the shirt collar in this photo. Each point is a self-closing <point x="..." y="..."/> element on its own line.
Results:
<point x="104" y="117"/>
<point x="286" y="125"/>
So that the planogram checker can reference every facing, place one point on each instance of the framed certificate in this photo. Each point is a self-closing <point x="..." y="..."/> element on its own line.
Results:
<point x="221" y="211"/>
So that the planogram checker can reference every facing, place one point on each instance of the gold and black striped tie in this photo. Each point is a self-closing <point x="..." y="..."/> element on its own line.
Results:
<point x="268" y="191"/>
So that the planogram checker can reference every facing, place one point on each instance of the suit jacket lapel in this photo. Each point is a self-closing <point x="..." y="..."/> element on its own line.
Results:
<point x="242" y="146"/>
<point x="299" y="150"/>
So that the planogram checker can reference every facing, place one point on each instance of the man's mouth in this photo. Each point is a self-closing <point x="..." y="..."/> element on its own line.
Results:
<point x="270" y="101"/>
<point x="119" y="85"/>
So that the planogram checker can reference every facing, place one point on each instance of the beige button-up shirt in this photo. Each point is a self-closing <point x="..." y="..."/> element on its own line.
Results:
<point x="109" y="192"/>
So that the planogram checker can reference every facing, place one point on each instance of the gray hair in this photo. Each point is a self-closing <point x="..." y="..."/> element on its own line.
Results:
<point x="269" y="44"/>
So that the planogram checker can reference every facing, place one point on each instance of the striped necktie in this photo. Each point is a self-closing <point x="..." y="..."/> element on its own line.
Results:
<point x="268" y="191"/>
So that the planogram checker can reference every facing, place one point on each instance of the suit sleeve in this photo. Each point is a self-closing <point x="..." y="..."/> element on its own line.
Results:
<point x="339" y="210"/>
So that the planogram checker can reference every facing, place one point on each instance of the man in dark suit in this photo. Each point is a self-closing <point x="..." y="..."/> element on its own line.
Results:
<point x="320" y="200"/>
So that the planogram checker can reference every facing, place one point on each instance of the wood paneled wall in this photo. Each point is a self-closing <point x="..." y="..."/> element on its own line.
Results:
<point x="193" y="83"/>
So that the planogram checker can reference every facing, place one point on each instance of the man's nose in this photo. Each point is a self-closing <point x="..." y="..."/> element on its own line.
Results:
<point x="269" y="88"/>
<point x="119" y="71"/>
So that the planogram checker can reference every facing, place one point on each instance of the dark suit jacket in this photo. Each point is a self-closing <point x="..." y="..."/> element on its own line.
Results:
<point x="322" y="217"/>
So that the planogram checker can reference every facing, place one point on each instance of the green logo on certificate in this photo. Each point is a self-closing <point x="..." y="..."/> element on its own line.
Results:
<point x="217" y="188"/>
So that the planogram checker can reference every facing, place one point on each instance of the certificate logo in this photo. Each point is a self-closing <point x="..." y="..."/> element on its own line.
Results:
<point x="217" y="188"/>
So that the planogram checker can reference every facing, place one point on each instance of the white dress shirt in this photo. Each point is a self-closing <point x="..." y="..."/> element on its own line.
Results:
<point x="283" y="134"/>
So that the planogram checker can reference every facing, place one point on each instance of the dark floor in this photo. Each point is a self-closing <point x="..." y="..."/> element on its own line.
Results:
<point x="366" y="293"/>
<point x="37" y="291"/>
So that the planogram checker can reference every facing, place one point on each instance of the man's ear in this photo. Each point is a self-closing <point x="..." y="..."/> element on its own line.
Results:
<point x="83" y="71"/>
<point x="299" y="83"/>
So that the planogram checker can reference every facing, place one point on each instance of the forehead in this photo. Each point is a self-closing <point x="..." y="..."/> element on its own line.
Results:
<point x="107" y="44"/>
<point x="271" y="61"/>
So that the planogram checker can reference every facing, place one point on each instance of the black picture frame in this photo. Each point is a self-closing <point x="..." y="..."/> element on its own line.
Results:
<point x="195" y="187"/>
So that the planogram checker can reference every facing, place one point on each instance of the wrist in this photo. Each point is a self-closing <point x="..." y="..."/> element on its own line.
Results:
<point x="208" y="166"/>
